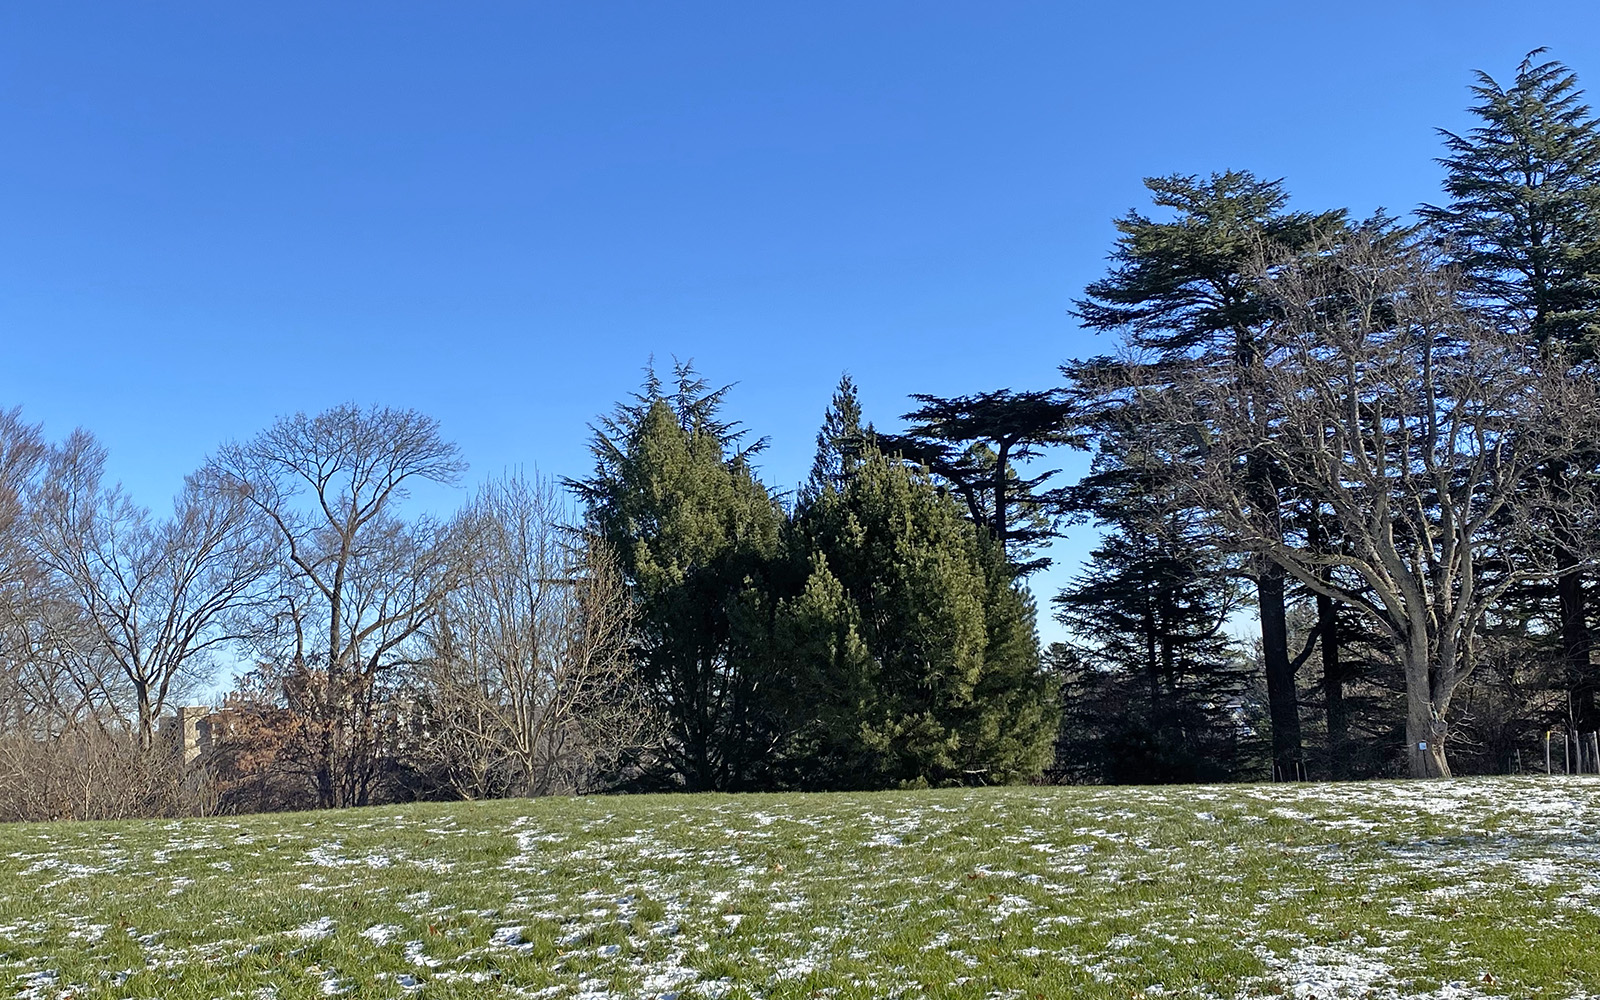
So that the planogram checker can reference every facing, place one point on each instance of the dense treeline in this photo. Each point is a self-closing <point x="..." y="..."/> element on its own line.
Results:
<point x="686" y="629"/>
<point x="1374" y="442"/>
<point x="867" y="637"/>
<point x="1384" y="434"/>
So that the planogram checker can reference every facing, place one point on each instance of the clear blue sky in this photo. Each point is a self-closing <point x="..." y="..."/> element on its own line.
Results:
<point x="212" y="214"/>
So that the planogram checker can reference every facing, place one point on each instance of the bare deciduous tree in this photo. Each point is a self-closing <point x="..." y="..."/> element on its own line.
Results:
<point x="1409" y="421"/>
<point x="22" y="459"/>
<point x="157" y="597"/>
<point x="358" y="580"/>
<point x="530" y="684"/>
<point x="63" y="752"/>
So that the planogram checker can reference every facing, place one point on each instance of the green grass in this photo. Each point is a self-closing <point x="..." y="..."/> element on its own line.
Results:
<point x="1449" y="889"/>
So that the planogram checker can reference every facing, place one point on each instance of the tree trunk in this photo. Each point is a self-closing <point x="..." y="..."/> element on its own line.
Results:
<point x="147" y="719"/>
<point x="1281" y="700"/>
<point x="1001" y="524"/>
<point x="325" y="795"/>
<point x="1152" y="670"/>
<point x="1424" y="737"/>
<point x="1577" y="644"/>
<point x="1333" y="685"/>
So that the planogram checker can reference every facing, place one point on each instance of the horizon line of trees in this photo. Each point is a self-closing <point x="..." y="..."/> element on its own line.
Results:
<point x="1382" y="435"/>
<point x="1382" y="438"/>
<point x="688" y="628"/>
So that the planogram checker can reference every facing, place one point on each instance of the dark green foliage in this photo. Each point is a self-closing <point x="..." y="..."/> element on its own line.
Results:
<point x="929" y="661"/>
<point x="1185" y="294"/>
<point x="1524" y="212"/>
<point x="841" y="440"/>
<point x="697" y="536"/>
<point x="975" y="443"/>
<point x="1184" y="287"/>
<point x="1145" y="608"/>
<point x="1155" y="692"/>
<point x="1523" y="224"/>
<point x="818" y="639"/>
<point x="1154" y="689"/>
<point x="875" y="640"/>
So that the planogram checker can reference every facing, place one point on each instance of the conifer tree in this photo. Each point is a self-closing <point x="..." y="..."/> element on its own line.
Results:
<point x="818" y="640"/>
<point x="841" y="440"/>
<point x="976" y="444"/>
<point x="696" y="535"/>
<point x="1183" y="292"/>
<point x="1523" y="218"/>
<point x="1155" y="689"/>
<point x="1523" y="224"/>
<point x="925" y="645"/>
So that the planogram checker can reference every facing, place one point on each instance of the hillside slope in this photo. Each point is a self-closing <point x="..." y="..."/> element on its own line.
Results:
<point x="1447" y="889"/>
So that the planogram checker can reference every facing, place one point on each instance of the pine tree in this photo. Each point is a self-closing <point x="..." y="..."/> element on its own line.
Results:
<point x="1523" y="223"/>
<point x="841" y="440"/>
<point x="929" y="644"/>
<point x="696" y="535"/>
<point x="818" y="639"/>
<point x="1183" y="291"/>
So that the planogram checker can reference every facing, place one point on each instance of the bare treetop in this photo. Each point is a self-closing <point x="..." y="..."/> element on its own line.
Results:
<point x="353" y="458"/>
<point x="1392" y="411"/>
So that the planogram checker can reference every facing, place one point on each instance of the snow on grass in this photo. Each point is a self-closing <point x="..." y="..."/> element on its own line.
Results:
<point x="314" y="930"/>
<point x="1449" y="890"/>
<point x="382" y="934"/>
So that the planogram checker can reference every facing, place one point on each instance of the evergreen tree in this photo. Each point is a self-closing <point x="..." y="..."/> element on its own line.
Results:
<point x="1523" y="224"/>
<point x="841" y="440"/>
<point x="1155" y="690"/>
<point x="818" y="638"/>
<point x="921" y="645"/>
<point x="975" y="444"/>
<point x="1184" y="292"/>
<point x="1524" y="211"/>
<point x="696" y="535"/>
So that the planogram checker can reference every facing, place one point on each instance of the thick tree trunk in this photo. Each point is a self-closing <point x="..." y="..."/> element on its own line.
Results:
<point x="1333" y="685"/>
<point x="1577" y="643"/>
<point x="1282" y="702"/>
<point x="1425" y="707"/>
<point x="1424" y="739"/>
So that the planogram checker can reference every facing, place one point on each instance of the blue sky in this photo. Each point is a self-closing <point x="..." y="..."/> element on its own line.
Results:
<point x="213" y="214"/>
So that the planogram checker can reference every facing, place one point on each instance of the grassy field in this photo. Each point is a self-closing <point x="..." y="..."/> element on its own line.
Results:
<point x="1449" y="889"/>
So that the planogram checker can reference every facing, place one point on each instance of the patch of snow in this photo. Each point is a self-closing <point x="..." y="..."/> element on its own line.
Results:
<point x="314" y="930"/>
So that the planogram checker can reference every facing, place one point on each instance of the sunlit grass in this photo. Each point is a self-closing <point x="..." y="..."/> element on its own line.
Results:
<point x="1447" y="889"/>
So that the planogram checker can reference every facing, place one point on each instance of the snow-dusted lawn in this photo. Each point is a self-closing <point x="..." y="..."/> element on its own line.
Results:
<point x="1452" y="889"/>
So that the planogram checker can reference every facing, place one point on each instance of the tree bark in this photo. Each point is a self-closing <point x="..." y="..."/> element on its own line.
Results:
<point x="1577" y="643"/>
<point x="1425" y="739"/>
<point x="1282" y="702"/>
<point x="1333" y="685"/>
